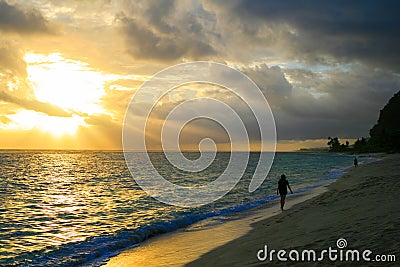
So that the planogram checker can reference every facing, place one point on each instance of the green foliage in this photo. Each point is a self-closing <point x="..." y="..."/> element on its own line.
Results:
<point x="360" y="146"/>
<point x="335" y="145"/>
<point x="385" y="135"/>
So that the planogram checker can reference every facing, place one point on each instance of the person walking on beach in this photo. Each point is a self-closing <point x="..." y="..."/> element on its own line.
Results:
<point x="355" y="162"/>
<point x="283" y="185"/>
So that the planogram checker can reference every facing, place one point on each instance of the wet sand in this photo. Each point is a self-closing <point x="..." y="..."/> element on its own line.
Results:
<point x="361" y="207"/>
<point x="186" y="245"/>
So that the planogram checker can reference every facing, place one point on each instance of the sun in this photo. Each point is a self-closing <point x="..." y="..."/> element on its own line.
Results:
<point x="57" y="126"/>
<point x="69" y="84"/>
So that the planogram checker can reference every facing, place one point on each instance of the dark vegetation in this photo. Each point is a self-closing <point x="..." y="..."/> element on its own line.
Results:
<point x="384" y="135"/>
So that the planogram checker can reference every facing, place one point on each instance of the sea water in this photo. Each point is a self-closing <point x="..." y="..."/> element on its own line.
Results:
<point x="63" y="208"/>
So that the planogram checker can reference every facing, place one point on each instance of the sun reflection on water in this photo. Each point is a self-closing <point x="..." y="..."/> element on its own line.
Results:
<point x="53" y="198"/>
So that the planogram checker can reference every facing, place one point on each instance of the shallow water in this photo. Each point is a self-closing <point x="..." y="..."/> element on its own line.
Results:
<point x="65" y="208"/>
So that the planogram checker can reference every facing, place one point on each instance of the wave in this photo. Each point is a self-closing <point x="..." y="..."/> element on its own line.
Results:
<point x="96" y="251"/>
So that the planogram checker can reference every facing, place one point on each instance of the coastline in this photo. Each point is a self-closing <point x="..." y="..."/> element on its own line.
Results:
<point x="188" y="244"/>
<point x="348" y="209"/>
<point x="362" y="207"/>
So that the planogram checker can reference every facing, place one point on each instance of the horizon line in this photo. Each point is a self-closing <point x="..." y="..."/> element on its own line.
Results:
<point x="151" y="150"/>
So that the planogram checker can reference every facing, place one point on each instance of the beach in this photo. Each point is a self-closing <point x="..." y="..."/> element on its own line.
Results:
<point x="361" y="209"/>
<point x="186" y="245"/>
<point x="58" y="212"/>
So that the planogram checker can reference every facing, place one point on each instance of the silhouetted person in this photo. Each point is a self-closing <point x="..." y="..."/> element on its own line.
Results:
<point x="355" y="162"/>
<point x="283" y="185"/>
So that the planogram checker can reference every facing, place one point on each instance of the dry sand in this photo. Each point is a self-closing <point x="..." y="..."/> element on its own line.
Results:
<point x="362" y="207"/>
<point x="186" y="245"/>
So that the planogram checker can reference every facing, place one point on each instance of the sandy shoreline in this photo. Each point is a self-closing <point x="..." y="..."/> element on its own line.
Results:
<point x="362" y="207"/>
<point x="188" y="244"/>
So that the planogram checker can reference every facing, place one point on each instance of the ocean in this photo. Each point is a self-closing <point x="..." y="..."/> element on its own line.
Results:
<point x="79" y="208"/>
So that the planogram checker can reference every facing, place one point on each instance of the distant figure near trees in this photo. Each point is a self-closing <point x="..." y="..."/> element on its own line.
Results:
<point x="355" y="162"/>
<point x="283" y="185"/>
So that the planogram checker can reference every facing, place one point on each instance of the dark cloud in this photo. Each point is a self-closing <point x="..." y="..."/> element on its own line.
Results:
<point x="272" y="82"/>
<point x="157" y="11"/>
<point x="338" y="31"/>
<point x="22" y="20"/>
<point x="355" y="47"/>
<point x="343" y="94"/>
<point x="316" y="32"/>
<point x="162" y="33"/>
<point x="334" y="102"/>
<point x="342" y="102"/>
<point x="145" y="43"/>
<point x="34" y="105"/>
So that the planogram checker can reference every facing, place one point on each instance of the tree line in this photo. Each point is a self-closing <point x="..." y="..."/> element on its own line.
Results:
<point x="384" y="135"/>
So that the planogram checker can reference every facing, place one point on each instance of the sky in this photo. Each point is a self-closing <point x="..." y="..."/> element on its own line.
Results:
<point x="68" y="69"/>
